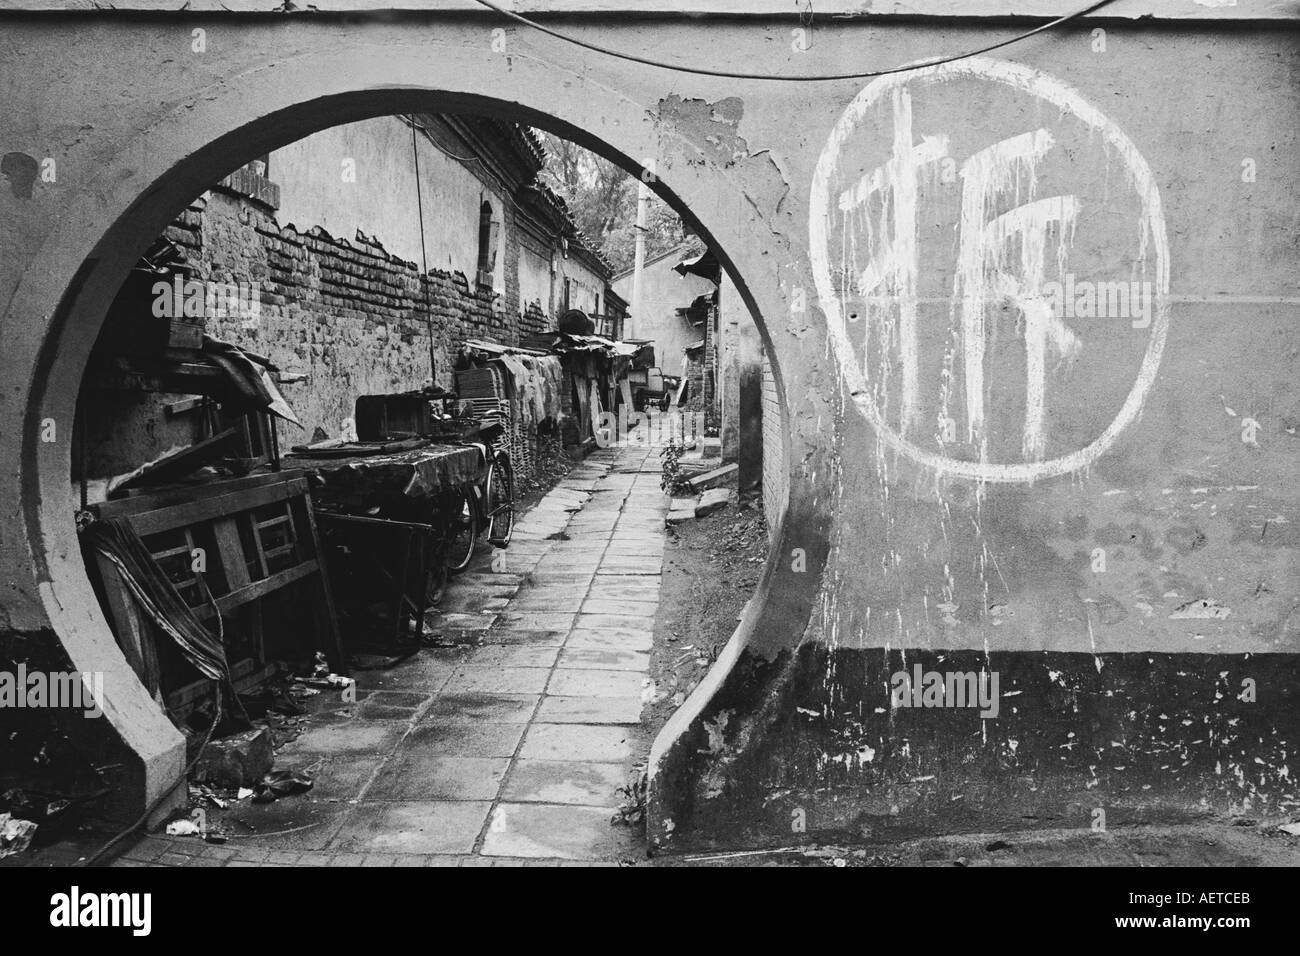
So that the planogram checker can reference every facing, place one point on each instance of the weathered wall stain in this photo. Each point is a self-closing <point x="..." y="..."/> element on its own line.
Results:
<point x="20" y="170"/>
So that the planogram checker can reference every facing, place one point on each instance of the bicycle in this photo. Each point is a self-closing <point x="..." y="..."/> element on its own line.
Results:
<point x="486" y="505"/>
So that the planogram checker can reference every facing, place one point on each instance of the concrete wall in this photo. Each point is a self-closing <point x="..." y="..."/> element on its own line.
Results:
<point x="586" y="285"/>
<point x="663" y="291"/>
<point x="535" y="278"/>
<point x="740" y="356"/>
<point x="1161" y="680"/>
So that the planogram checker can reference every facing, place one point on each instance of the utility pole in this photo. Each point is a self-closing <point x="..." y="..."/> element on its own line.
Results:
<point x="642" y="211"/>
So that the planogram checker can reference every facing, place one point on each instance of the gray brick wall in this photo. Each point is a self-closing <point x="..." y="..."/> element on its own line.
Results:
<point x="352" y="318"/>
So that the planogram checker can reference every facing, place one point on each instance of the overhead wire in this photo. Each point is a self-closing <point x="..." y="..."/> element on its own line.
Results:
<point x="424" y="257"/>
<point x="791" y="78"/>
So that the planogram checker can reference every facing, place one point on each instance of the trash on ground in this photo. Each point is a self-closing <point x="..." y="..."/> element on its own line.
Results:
<point x="281" y="783"/>
<point x="15" y="835"/>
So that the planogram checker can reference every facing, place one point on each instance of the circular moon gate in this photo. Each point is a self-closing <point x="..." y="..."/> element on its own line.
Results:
<point x="821" y="203"/>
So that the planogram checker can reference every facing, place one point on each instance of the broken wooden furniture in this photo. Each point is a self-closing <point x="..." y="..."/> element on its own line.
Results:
<point x="245" y="548"/>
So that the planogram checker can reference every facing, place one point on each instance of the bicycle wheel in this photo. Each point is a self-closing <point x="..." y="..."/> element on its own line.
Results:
<point x="462" y="531"/>
<point x="499" y="500"/>
<point x="436" y="583"/>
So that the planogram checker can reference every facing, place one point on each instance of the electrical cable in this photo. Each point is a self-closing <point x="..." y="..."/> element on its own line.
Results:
<point x="811" y="78"/>
<point x="424" y="256"/>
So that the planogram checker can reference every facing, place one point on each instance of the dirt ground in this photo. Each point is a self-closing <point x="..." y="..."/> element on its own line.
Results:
<point x="711" y="568"/>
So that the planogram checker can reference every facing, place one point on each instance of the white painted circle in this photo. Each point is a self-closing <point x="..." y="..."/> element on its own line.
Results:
<point x="1025" y="80"/>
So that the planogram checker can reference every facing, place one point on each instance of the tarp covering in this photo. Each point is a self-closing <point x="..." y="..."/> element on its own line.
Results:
<point x="375" y="479"/>
<point x="639" y="354"/>
<point x="536" y="383"/>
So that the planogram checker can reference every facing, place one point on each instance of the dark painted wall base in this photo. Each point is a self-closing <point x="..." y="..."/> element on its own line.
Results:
<point x="832" y="754"/>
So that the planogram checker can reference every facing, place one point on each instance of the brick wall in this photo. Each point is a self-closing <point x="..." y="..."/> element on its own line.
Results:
<point x="350" y="317"/>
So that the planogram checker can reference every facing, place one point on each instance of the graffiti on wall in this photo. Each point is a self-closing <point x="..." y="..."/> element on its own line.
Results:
<point x="991" y="256"/>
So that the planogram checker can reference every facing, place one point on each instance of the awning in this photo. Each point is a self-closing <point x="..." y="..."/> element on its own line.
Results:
<point x="704" y="265"/>
<point x="492" y="348"/>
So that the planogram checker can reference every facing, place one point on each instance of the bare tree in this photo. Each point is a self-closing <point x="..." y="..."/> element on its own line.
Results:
<point x="602" y="199"/>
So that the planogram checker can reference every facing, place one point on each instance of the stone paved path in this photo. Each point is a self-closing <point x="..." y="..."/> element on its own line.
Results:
<point x="508" y="751"/>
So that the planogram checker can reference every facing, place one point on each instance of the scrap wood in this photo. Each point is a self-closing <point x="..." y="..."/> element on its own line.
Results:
<point x="174" y="464"/>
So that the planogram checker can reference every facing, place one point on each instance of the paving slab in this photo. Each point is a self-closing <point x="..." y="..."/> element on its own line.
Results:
<point x="595" y="683"/>
<point x="565" y="781"/>
<point x="337" y="778"/>
<point x="591" y="710"/>
<point x="652" y="569"/>
<point x="298" y="822"/>
<point x="481" y="707"/>
<point x="365" y="737"/>
<point x="536" y="620"/>
<point x="490" y="579"/>
<point x="415" y="774"/>
<point x="611" y="639"/>
<point x="508" y="655"/>
<point x="392" y="704"/>
<point x="558" y="599"/>
<point x="621" y="606"/>
<point x="603" y="659"/>
<point x="596" y="743"/>
<point x="524" y="636"/>
<point x="470" y="678"/>
<point x="450" y="826"/>
<point x="541" y="830"/>
<point x="626" y="621"/>
<point x="424" y="672"/>
<point x="457" y="738"/>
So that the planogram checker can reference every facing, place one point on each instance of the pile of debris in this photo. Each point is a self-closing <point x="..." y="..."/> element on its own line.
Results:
<point x="702" y="495"/>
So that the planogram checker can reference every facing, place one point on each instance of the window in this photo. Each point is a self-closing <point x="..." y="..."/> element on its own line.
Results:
<point x="488" y="228"/>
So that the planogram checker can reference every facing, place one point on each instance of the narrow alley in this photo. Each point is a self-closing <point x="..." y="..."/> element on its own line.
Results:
<point x="512" y="744"/>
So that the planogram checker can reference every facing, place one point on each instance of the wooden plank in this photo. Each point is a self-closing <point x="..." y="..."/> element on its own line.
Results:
<point x="134" y="634"/>
<point x="230" y="552"/>
<point x="184" y="406"/>
<point x="181" y="463"/>
<point x="197" y="512"/>
<point x="153" y="499"/>
<point x="327" y="621"/>
<point x="259" y="589"/>
<point x="246" y="674"/>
